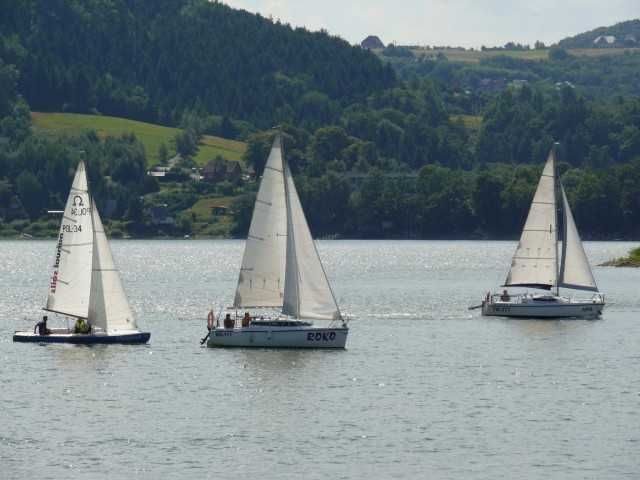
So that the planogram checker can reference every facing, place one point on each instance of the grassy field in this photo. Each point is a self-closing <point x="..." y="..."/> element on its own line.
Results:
<point x="472" y="122"/>
<point x="151" y="136"/>
<point x="203" y="207"/>
<point x="205" y="224"/>
<point x="474" y="56"/>
<point x="633" y="260"/>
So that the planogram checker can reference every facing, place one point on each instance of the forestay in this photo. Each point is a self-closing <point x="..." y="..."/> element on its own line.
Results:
<point x="307" y="291"/>
<point x="109" y="309"/>
<point x="535" y="261"/>
<point x="575" y="271"/>
<point x="262" y="275"/>
<point x="71" y="278"/>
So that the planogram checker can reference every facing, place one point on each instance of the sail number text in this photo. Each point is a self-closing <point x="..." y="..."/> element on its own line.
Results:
<point x="79" y="211"/>
<point x="72" y="228"/>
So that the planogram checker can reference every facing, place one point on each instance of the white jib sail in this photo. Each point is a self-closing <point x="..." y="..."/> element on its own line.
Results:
<point x="109" y="309"/>
<point x="307" y="291"/>
<point x="261" y="280"/>
<point x="71" y="278"/>
<point x="575" y="271"/>
<point x="535" y="261"/>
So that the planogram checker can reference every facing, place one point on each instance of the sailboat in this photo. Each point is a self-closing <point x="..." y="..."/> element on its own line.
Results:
<point x="85" y="283"/>
<point x="281" y="269"/>
<point x="542" y="261"/>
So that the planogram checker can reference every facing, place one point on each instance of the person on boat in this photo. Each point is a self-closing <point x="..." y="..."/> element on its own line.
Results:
<point x="228" y="321"/>
<point x="246" y="320"/>
<point x="81" y="326"/>
<point x="41" y="327"/>
<point x="505" y="297"/>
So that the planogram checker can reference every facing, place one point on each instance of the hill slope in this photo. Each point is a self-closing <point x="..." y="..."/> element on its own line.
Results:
<point x="626" y="34"/>
<point x="151" y="136"/>
<point x="153" y="59"/>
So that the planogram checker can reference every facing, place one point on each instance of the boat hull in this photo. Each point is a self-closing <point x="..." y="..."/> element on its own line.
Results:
<point x="541" y="310"/>
<point x="279" y="337"/>
<point x="81" y="339"/>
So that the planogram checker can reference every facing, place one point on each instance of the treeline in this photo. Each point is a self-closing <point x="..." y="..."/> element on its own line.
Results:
<point x="603" y="77"/>
<point x="355" y="187"/>
<point x="154" y="59"/>
<point x="36" y="170"/>
<point x="373" y="156"/>
<point x="627" y="35"/>
<point x="439" y="202"/>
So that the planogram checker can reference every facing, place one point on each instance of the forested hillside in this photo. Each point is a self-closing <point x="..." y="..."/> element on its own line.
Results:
<point x="154" y="59"/>
<point x="441" y="149"/>
<point x="626" y="34"/>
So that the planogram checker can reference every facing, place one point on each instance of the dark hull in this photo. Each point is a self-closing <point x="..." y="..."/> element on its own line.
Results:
<point x="78" y="339"/>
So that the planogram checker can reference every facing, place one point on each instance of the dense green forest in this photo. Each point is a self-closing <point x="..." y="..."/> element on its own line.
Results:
<point x="151" y="60"/>
<point x="420" y="150"/>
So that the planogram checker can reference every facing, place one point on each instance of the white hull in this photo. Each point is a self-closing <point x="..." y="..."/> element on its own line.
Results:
<point x="567" y="309"/>
<point x="279" y="337"/>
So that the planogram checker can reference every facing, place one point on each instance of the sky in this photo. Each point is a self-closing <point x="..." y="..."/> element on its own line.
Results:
<point x="467" y="23"/>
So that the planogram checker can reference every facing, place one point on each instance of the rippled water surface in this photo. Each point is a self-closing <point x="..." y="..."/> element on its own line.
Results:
<point x="426" y="388"/>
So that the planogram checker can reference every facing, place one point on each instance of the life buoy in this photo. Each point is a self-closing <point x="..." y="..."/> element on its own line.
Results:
<point x="210" y="320"/>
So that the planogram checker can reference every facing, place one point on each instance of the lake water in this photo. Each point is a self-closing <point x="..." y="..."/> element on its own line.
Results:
<point x="426" y="388"/>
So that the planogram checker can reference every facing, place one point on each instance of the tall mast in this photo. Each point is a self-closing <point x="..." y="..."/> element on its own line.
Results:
<point x="556" y="188"/>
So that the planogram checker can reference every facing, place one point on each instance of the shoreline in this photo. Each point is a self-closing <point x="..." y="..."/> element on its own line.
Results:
<point x="338" y="237"/>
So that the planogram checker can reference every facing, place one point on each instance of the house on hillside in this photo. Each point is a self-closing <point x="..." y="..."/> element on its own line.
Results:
<point x="219" y="170"/>
<point x="158" y="172"/>
<point x="605" y="40"/>
<point x="372" y="43"/>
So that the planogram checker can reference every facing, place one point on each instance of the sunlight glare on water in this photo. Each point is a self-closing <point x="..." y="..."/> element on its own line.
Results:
<point x="425" y="389"/>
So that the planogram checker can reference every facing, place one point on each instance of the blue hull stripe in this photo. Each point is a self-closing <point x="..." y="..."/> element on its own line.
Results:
<point x="134" y="338"/>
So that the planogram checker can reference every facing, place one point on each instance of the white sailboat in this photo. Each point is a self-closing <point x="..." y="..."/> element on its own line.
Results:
<point x="85" y="283"/>
<point x="281" y="269"/>
<point x="544" y="262"/>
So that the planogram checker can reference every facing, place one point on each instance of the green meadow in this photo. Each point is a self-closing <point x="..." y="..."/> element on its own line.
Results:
<point x="151" y="135"/>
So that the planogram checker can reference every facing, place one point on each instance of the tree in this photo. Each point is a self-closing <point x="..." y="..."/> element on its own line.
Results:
<point x="31" y="193"/>
<point x="187" y="143"/>
<point x="163" y="154"/>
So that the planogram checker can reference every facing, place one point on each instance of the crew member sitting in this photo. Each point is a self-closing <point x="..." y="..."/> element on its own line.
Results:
<point x="228" y="321"/>
<point x="81" y="327"/>
<point x="505" y="296"/>
<point x="41" y="327"/>
<point x="246" y="320"/>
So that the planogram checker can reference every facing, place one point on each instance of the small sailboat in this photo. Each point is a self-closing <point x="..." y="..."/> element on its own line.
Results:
<point x="85" y="284"/>
<point x="542" y="261"/>
<point x="281" y="269"/>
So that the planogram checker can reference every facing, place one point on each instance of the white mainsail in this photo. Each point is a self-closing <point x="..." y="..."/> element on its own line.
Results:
<point x="575" y="271"/>
<point x="71" y="278"/>
<point x="262" y="275"/>
<point x="535" y="261"/>
<point x="307" y="292"/>
<point x="109" y="309"/>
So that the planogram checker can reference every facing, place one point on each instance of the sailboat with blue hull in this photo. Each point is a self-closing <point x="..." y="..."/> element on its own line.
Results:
<point x="85" y="284"/>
